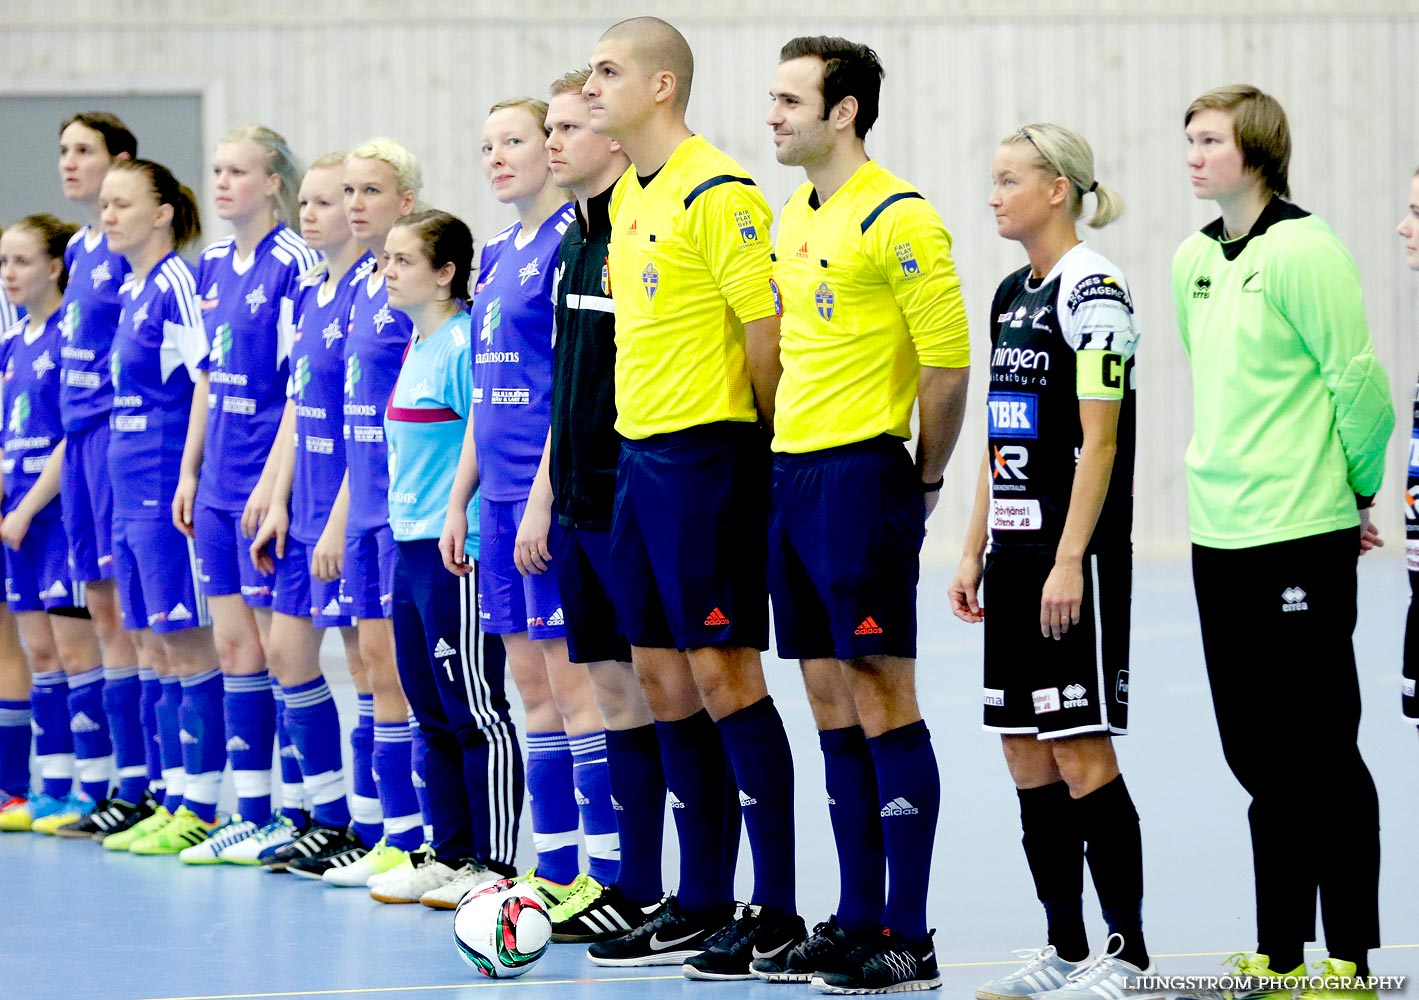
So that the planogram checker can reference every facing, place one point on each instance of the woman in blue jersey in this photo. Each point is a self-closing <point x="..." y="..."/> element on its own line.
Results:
<point x="517" y="598"/>
<point x="1055" y="502"/>
<point x="15" y="688"/>
<point x="89" y="142"/>
<point x="474" y="768"/>
<point x="62" y="646"/>
<point x="247" y="284"/>
<point x="309" y="477"/>
<point x="1408" y="230"/>
<point x="147" y="215"/>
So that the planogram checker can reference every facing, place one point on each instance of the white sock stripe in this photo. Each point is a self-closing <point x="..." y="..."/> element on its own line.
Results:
<point x="393" y="732"/>
<point x="15" y="717"/>
<point x="252" y="784"/>
<point x="204" y="788"/>
<point x="548" y="741"/>
<point x="202" y="678"/>
<point x="246" y="682"/>
<point x="119" y="673"/>
<point x="83" y="680"/>
<point x="54" y="678"/>
<point x="136" y="771"/>
<point x="576" y="762"/>
<point x="545" y="842"/>
<point x="90" y="769"/>
<point x="147" y="674"/>
<point x="324" y="788"/>
<point x="306" y="699"/>
<point x="55" y="765"/>
<point x="169" y="680"/>
<point x="605" y="846"/>
<point x="364" y="809"/>
<point x="395" y="825"/>
<point x="589" y="743"/>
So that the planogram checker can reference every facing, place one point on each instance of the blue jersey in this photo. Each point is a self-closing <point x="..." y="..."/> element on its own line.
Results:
<point x="30" y="362"/>
<point x="90" y="313"/>
<point x="512" y="362"/>
<point x="374" y="343"/>
<point x="424" y="425"/>
<point x="317" y="389"/>
<point x="156" y="350"/>
<point x="248" y="307"/>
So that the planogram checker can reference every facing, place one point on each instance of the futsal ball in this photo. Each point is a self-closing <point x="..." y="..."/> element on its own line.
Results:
<point x="502" y="930"/>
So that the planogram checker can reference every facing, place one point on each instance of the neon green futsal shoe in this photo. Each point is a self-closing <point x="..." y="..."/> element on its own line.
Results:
<point x="122" y="841"/>
<point x="1337" y="982"/>
<point x="552" y="894"/>
<point x="1251" y="966"/>
<point x="186" y="829"/>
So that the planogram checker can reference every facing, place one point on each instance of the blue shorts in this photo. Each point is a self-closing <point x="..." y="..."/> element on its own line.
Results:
<point x="301" y="595"/>
<point x="37" y="578"/>
<point x="368" y="588"/>
<point x="224" y="558"/>
<point x="582" y="563"/>
<point x="687" y="538"/>
<point x="509" y="602"/>
<point x="155" y="566"/>
<point x="87" y="495"/>
<point x="845" y="538"/>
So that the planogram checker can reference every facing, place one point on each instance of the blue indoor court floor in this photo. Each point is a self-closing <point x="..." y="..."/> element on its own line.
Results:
<point x="83" y="924"/>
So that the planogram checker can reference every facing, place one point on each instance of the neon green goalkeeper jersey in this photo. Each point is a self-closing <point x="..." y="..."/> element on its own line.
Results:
<point x="1291" y="410"/>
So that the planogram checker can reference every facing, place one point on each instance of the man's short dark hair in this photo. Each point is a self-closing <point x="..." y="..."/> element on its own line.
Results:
<point x="850" y="69"/>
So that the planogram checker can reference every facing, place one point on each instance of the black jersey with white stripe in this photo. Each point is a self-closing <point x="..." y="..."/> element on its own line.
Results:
<point x="1066" y="337"/>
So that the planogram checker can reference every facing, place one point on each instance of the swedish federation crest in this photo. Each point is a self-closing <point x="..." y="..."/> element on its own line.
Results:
<point x="824" y="299"/>
<point x="650" y="278"/>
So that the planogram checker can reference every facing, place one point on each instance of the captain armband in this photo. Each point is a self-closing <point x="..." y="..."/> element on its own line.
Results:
<point x="1100" y="374"/>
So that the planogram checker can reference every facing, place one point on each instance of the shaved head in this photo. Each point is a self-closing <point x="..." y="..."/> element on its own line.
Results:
<point x="657" y="47"/>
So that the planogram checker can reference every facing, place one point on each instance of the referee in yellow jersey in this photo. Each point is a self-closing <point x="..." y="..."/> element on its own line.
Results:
<point x="873" y="322"/>
<point x="697" y="318"/>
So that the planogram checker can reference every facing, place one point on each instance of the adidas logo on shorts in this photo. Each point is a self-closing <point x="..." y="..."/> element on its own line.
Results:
<point x="81" y="723"/>
<point x="1074" y="696"/>
<point x="556" y="618"/>
<point x="869" y="626"/>
<point x="333" y="608"/>
<point x="57" y="589"/>
<point x="745" y="800"/>
<point x="899" y="807"/>
<point x="187" y="738"/>
<point x="179" y="613"/>
<point x="1294" y="599"/>
<point x="675" y="802"/>
<point x="236" y="745"/>
<point x="291" y="752"/>
<point x="716" y="617"/>
<point x="443" y="650"/>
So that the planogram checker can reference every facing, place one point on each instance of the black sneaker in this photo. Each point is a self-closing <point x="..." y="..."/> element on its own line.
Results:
<point x="109" y="816"/>
<point x="822" y="951"/>
<point x="310" y="842"/>
<point x="884" y="964"/>
<point x="343" y="849"/>
<point x="669" y="938"/>
<point x="757" y="934"/>
<point x="601" y="916"/>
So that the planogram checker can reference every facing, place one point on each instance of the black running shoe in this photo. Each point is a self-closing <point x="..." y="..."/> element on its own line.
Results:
<point x="669" y="938"/>
<point x="109" y="816"/>
<point x="884" y="964"/>
<point x="600" y="916"/>
<point x="343" y="849"/>
<point x="822" y="951"/>
<point x="757" y="934"/>
<point x="315" y="839"/>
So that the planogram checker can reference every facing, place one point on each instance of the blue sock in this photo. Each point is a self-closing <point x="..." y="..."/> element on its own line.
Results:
<point x="418" y="771"/>
<point x="122" y="703"/>
<point x="857" y="828"/>
<point x="696" y="776"/>
<point x="169" y="715"/>
<point x="364" y="795"/>
<point x="315" y="730"/>
<point x="553" y="798"/>
<point x="93" y="750"/>
<point x="15" y="719"/>
<point x="152" y="753"/>
<point x="393" y="773"/>
<point x="53" y="742"/>
<point x="293" y="804"/>
<point x="203" y="755"/>
<point x="592" y="779"/>
<point x="637" y="780"/>
<point x="909" y="793"/>
<point x="249" y="711"/>
<point x="758" y="750"/>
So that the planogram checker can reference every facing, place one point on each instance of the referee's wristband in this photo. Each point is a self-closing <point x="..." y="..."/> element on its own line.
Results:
<point x="932" y="487"/>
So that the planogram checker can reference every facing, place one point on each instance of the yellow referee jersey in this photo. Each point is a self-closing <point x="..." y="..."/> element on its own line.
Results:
<point x="870" y="294"/>
<point x="690" y="262"/>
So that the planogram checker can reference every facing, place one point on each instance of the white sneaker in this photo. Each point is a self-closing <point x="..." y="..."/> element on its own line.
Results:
<point x="413" y="860"/>
<point x="1107" y="977"/>
<point x="410" y="886"/>
<point x="1043" y="970"/>
<point x="209" y="852"/>
<point x="380" y="859"/>
<point x="448" y="897"/>
<point x="262" y="843"/>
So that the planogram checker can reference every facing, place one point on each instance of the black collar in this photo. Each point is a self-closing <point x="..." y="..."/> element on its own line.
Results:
<point x="598" y="207"/>
<point x="1276" y="210"/>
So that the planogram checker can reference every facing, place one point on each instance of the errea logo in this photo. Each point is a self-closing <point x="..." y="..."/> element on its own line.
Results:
<point x="1075" y="696"/>
<point x="1294" y="599"/>
<point x="1202" y="287"/>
